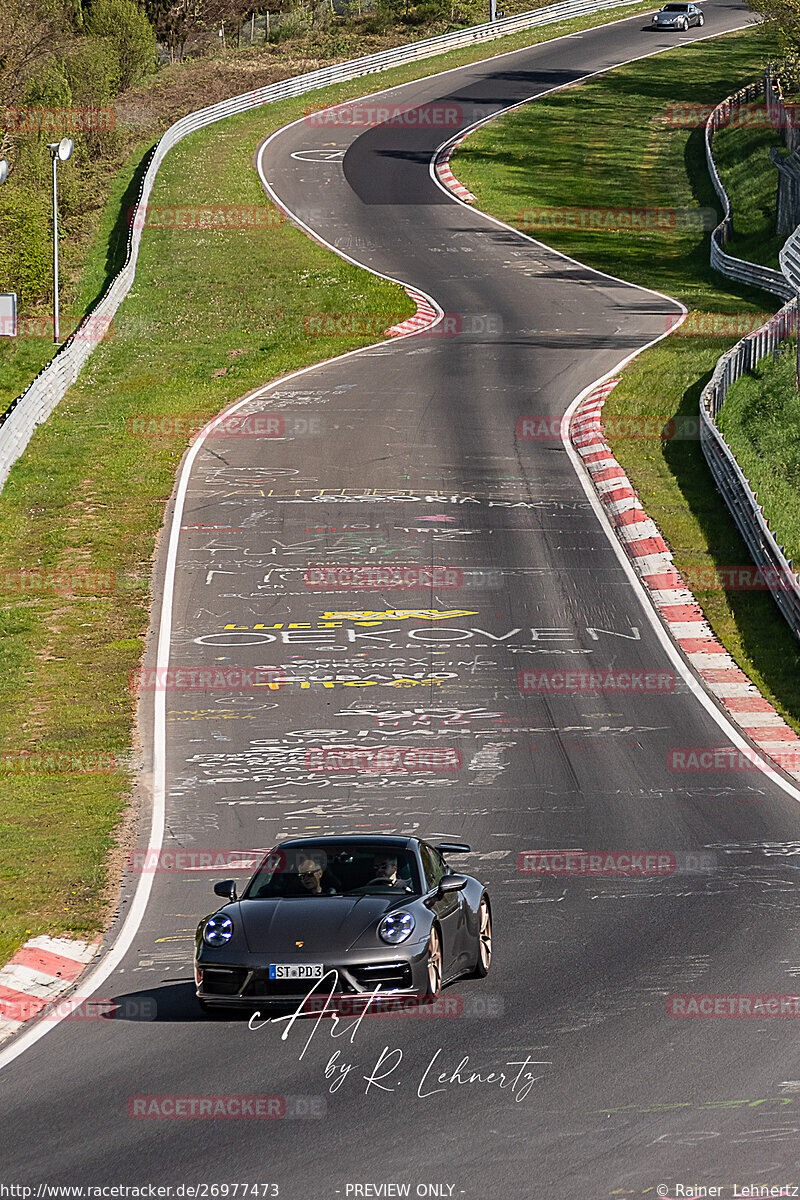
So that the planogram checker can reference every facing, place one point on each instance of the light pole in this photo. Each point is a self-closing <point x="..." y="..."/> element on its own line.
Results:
<point x="8" y="300"/>
<point x="60" y="152"/>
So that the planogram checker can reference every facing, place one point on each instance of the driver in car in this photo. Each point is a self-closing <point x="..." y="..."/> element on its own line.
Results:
<point x="384" y="868"/>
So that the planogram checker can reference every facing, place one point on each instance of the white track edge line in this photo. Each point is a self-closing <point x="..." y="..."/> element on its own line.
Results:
<point x="142" y="894"/>
<point x="463" y="134"/>
<point x="133" y="919"/>
<point x="696" y="687"/>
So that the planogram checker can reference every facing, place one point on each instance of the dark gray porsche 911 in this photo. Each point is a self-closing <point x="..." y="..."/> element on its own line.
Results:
<point x="346" y="916"/>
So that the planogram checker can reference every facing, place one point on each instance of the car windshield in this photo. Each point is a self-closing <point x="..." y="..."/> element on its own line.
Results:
<point x="344" y="869"/>
<point x="675" y="8"/>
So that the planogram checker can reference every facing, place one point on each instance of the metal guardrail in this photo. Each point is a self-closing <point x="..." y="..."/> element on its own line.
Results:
<point x="737" y="268"/>
<point x="789" y="258"/>
<point x="781" y="116"/>
<point x="742" y="502"/>
<point x="38" y="401"/>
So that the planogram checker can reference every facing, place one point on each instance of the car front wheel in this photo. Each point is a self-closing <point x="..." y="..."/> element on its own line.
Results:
<point x="684" y="25"/>
<point x="434" y="964"/>
<point x="484" y="939"/>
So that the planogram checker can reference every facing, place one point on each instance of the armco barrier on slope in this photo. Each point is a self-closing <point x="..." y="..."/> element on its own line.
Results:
<point x="781" y="116"/>
<point x="37" y="403"/>
<point x="728" y="475"/>
<point x="737" y="268"/>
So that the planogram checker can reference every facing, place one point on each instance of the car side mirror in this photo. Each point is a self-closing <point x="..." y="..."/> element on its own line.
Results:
<point x="226" y="888"/>
<point x="452" y="883"/>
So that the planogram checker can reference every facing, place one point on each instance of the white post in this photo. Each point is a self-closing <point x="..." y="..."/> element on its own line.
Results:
<point x="56" y="329"/>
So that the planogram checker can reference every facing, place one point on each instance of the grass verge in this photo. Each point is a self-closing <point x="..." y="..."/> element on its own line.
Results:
<point x="742" y="157"/>
<point x="213" y="313"/>
<point x="761" y="423"/>
<point x="93" y="238"/>
<point x="619" y="128"/>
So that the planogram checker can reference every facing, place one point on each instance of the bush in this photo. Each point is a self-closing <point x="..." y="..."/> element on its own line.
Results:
<point x="93" y="70"/>
<point x="292" y="24"/>
<point x="125" y="24"/>
<point x="48" y="88"/>
<point x="25" y="247"/>
<point x="381" y="18"/>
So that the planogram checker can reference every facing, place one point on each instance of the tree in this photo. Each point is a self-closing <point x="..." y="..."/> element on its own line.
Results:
<point x="126" y="25"/>
<point x="172" y="22"/>
<point x="784" y="18"/>
<point x="215" y="14"/>
<point x="33" y="32"/>
<point x="176" y="21"/>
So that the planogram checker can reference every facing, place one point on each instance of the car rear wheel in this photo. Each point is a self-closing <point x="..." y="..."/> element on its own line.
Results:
<point x="700" y="19"/>
<point x="484" y="939"/>
<point x="434" y="964"/>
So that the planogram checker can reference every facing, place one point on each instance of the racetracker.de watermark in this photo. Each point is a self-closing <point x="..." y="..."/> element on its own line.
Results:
<point x="744" y="578"/>
<point x="244" y="425"/>
<point x="752" y="116"/>
<point x="366" y="114"/>
<point x="729" y="758"/>
<point x="575" y="681"/>
<point x="206" y="679"/>
<point x="584" y="428"/>
<point x="59" y="120"/>
<point x="245" y="218"/>
<point x="376" y="325"/>
<point x="617" y="220"/>
<point x="149" y="862"/>
<point x="723" y="325"/>
<point x="400" y="578"/>
<point x="700" y="1004"/>
<point x="385" y="760"/>
<point x="347" y="1005"/>
<point x="92" y="329"/>
<point x="78" y="582"/>
<point x="56" y="762"/>
<point x="617" y="862"/>
<point x="225" y="1107"/>
<point x="599" y="862"/>
<point x="124" y="1008"/>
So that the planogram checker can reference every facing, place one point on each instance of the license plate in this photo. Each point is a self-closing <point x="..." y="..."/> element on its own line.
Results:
<point x="296" y="970"/>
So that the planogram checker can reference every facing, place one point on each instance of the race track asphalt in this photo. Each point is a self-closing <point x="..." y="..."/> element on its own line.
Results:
<point x="407" y="454"/>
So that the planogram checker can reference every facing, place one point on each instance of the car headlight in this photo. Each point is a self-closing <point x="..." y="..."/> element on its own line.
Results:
<point x="396" y="927"/>
<point x="218" y="930"/>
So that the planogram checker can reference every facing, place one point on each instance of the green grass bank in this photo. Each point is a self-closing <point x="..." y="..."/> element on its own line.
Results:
<point x="631" y="152"/>
<point x="213" y="314"/>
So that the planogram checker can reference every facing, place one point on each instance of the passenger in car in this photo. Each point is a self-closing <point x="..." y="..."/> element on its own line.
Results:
<point x="314" y="879"/>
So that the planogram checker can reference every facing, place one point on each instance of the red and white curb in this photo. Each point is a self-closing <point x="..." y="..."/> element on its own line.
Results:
<point x="425" y="315"/>
<point x="682" y="615"/>
<point x="445" y="175"/>
<point x="41" y="971"/>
